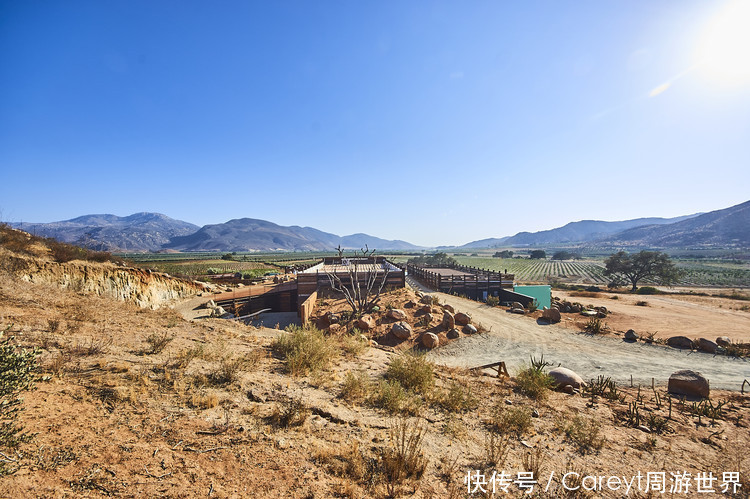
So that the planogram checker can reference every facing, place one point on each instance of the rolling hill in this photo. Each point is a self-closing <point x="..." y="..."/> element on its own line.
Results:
<point x="137" y="232"/>
<point x="249" y="234"/>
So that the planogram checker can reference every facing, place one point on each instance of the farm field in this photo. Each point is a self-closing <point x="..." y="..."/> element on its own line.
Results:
<point x="697" y="273"/>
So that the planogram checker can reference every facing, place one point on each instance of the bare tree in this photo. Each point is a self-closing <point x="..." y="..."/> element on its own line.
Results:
<point x="364" y="286"/>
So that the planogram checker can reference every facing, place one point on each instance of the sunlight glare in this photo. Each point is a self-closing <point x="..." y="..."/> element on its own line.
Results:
<point x="724" y="48"/>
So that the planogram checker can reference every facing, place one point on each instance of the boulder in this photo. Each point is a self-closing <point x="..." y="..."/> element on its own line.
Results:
<point x="410" y="304"/>
<point x="470" y="329"/>
<point x="448" y="308"/>
<point x="630" y="335"/>
<point x="209" y="304"/>
<point x="365" y="323"/>
<point x="218" y="312"/>
<point x="426" y="309"/>
<point x="334" y="328"/>
<point x="723" y="341"/>
<point x="453" y="334"/>
<point x="690" y="383"/>
<point x="462" y="319"/>
<point x="427" y="299"/>
<point x="396" y="313"/>
<point x="428" y="317"/>
<point x="589" y="313"/>
<point x="517" y="310"/>
<point x="551" y="315"/>
<point x="401" y="330"/>
<point x="564" y="376"/>
<point x="516" y="304"/>
<point x="448" y="321"/>
<point x="430" y="340"/>
<point x="706" y="345"/>
<point x="680" y="342"/>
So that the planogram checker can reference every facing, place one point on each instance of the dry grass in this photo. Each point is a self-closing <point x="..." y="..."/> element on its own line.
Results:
<point x="305" y="350"/>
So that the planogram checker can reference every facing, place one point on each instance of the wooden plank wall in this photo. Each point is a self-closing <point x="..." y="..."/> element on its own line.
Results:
<point x="307" y="307"/>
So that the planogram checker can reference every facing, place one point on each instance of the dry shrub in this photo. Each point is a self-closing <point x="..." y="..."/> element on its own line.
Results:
<point x="515" y="420"/>
<point x="404" y="457"/>
<point x="92" y="347"/>
<point x="184" y="357"/>
<point x="293" y="413"/>
<point x="305" y="350"/>
<point x="496" y="447"/>
<point x="532" y="461"/>
<point x="204" y="400"/>
<point x="227" y="370"/>
<point x="457" y="398"/>
<point x="157" y="342"/>
<point x="392" y="397"/>
<point x="413" y="372"/>
<point x="584" y="432"/>
<point x="355" y="387"/>
<point x="352" y="345"/>
<point x="584" y="294"/>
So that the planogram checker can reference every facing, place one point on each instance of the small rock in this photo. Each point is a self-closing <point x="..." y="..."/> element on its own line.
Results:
<point x="508" y="402"/>
<point x="687" y="382"/>
<point x="448" y="320"/>
<point x="428" y="317"/>
<point x="568" y="389"/>
<point x="255" y="395"/>
<point x="410" y="304"/>
<point x="706" y="345"/>
<point x="518" y="311"/>
<point x="453" y="334"/>
<point x="630" y="335"/>
<point x="644" y="428"/>
<point x="462" y="319"/>
<point x="534" y="413"/>
<point x="564" y="376"/>
<point x="402" y="330"/>
<point x="470" y="329"/>
<point x="396" y="313"/>
<point x="426" y="309"/>
<point x="427" y="299"/>
<point x="365" y="323"/>
<point x="430" y="340"/>
<point x="334" y="328"/>
<point x="526" y="444"/>
<point x="723" y="341"/>
<point x="680" y="342"/>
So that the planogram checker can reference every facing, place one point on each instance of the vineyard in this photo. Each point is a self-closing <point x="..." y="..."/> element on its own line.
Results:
<point x="592" y="271"/>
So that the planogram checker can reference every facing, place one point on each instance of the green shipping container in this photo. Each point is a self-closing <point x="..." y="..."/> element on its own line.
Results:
<point x="542" y="294"/>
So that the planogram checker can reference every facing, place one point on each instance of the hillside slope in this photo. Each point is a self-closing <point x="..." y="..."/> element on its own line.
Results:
<point x="136" y="232"/>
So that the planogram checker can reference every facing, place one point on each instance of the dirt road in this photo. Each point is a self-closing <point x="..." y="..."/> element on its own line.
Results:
<point x="513" y="339"/>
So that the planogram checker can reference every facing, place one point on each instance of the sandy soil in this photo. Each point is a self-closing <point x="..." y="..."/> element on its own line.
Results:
<point x="675" y="315"/>
<point x="515" y="338"/>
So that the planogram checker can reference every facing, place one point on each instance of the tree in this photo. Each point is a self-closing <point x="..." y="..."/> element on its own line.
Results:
<point x="361" y="290"/>
<point x="562" y="255"/>
<point x="644" y="265"/>
<point x="503" y="254"/>
<point x="537" y="255"/>
<point x="436" y="260"/>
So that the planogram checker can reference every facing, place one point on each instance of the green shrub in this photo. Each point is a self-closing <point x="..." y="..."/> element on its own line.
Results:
<point x="534" y="383"/>
<point x="493" y="301"/>
<point x="16" y="376"/>
<point x="305" y="350"/>
<point x="457" y="398"/>
<point x="584" y="433"/>
<point x="392" y="397"/>
<point x="413" y="372"/>
<point x="648" y="290"/>
<point x="355" y="386"/>
<point x="594" y="326"/>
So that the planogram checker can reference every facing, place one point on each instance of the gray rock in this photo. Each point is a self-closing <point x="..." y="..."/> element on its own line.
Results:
<point x="518" y="311"/>
<point x="365" y="323"/>
<point x="723" y="341"/>
<point x="453" y="334"/>
<point x="427" y="299"/>
<point x="680" y="342"/>
<point x="516" y="304"/>
<point x="706" y="345"/>
<point x="630" y="335"/>
<point x="564" y="376"/>
<point x="690" y="383"/>
<point x="402" y="330"/>
<point x="534" y="413"/>
<point x="470" y="329"/>
<point x="430" y="340"/>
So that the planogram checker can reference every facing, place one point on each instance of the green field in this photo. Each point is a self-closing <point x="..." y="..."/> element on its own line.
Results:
<point x="591" y="271"/>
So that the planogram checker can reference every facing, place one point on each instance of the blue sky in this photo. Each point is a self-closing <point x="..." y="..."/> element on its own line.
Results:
<point x="433" y="122"/>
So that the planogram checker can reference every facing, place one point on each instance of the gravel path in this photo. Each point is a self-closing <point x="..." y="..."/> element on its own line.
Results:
<point x="514" y="338"/>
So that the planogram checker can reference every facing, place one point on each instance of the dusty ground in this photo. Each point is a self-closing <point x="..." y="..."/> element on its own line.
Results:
<point x="671" y="315"/>
<point x="117" y="418"/>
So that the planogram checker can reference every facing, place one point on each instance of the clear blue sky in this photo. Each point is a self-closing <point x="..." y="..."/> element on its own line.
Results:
<point x="433" y="122"/>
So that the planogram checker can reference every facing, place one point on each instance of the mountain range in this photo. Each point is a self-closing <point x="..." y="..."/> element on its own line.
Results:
<point x="726" y="228"/>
